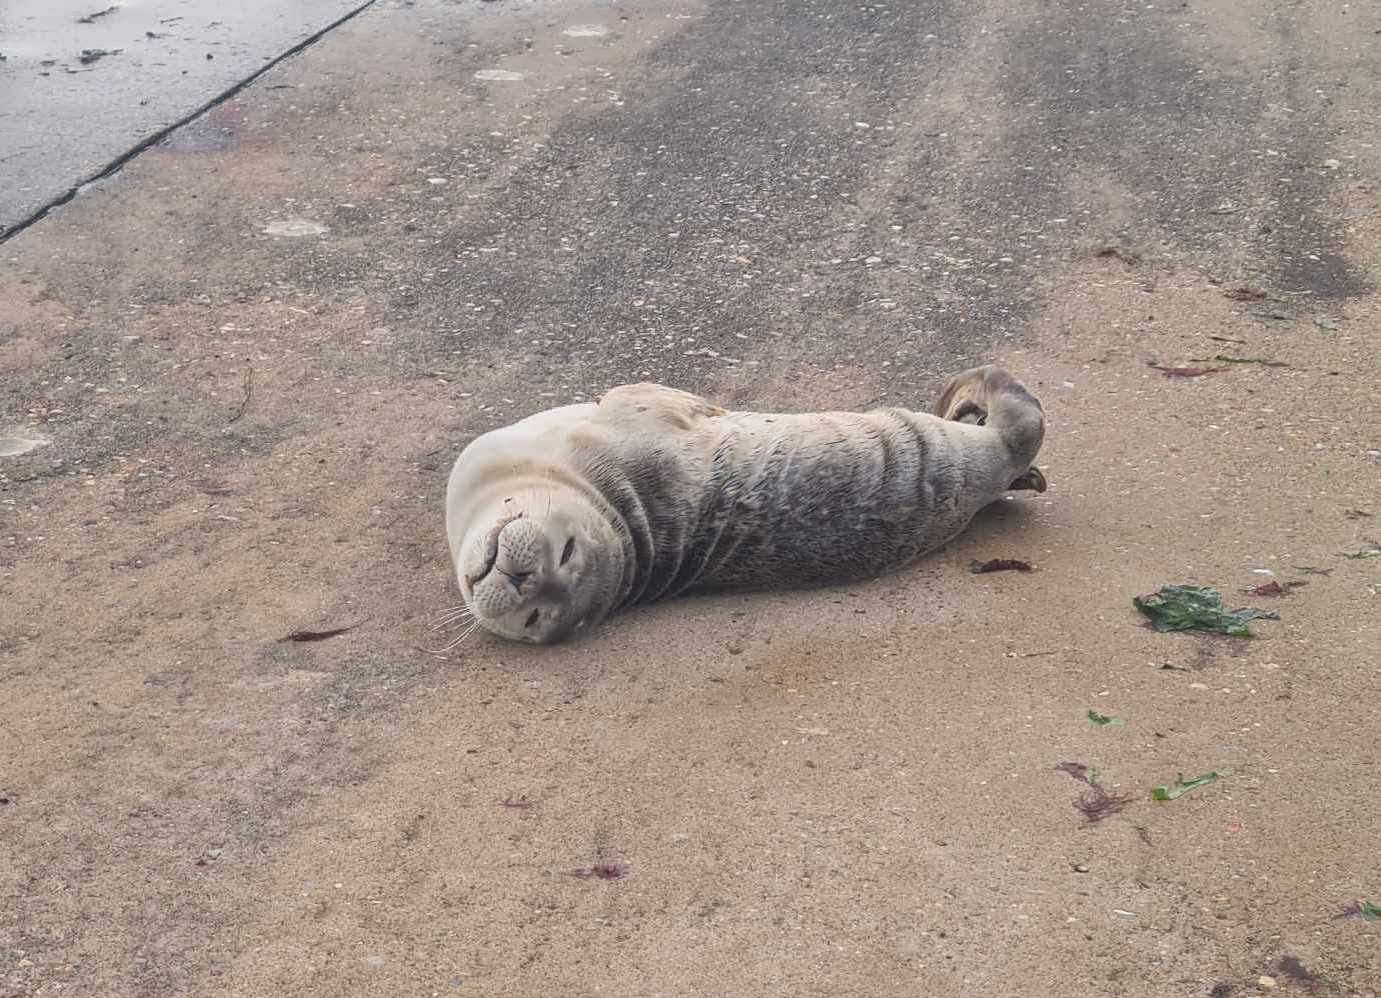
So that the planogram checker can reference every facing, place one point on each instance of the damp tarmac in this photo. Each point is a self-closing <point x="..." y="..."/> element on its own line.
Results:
<point x="83" y="82"/>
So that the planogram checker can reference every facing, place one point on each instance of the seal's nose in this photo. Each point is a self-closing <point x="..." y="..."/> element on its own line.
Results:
<point x="489" y="554"/>
<point x="502" y="561"/>
<point x="516" y="579"/>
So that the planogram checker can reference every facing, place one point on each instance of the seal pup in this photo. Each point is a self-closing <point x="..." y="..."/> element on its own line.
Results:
<point x="571" y="514"/>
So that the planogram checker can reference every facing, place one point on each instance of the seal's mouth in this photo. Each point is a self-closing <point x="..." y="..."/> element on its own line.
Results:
<point x="491" y="550"/>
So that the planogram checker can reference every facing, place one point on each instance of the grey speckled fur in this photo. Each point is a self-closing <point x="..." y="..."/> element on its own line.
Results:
<point x="660" y="493"/>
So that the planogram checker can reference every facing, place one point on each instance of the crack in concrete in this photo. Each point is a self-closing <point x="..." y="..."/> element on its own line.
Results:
<point x="116" y="164"/>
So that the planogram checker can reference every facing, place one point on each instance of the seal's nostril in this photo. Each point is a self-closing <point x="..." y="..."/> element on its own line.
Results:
<point x="532" y="618"/>
<point x="567" y="551"/>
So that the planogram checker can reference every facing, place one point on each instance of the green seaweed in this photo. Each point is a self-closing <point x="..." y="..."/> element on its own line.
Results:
<point x="1196" y="608"/>
<point x="1181" y="786"/>
<point x="1103" y="719"/>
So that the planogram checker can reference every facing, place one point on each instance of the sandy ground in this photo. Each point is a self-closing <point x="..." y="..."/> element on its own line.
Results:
<point x="252" y="356"/>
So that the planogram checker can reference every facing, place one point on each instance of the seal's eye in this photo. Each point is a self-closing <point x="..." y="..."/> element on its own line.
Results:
<point x="532" y="618"/>
<point x="567" y="551"/>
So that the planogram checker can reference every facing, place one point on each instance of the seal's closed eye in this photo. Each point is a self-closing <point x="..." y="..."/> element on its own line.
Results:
<point x="567" y="551"/>
<point x="532" y="618"/>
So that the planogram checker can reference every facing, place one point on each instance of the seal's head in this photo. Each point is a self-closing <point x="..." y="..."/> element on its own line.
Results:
<point x="539" y="566"/>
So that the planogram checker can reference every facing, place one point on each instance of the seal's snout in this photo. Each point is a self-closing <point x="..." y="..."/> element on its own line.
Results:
<point x="505" y="557"/>
<point x="490" y="551"/>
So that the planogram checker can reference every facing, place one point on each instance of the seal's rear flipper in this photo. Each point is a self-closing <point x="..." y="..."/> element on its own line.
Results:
<point x="1033" y="480"/>
<point x="991" y="397"/>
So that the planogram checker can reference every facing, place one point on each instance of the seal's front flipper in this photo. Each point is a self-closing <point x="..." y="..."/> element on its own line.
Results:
<point x="1032" y="480"/>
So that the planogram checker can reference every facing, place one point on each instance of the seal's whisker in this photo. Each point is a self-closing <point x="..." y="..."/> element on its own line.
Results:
<point x="463" y="635"/>
<point x="456" y="614"/>
<point x="450" y="625"/>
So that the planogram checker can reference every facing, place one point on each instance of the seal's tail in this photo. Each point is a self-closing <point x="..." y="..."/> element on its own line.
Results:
<point x="991" y="397"/>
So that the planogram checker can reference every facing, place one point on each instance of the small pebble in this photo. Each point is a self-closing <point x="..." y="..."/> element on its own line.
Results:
<point x="1080" y="868"/>
<point x="295" y="228"/>
<point x="1265" y="983"/>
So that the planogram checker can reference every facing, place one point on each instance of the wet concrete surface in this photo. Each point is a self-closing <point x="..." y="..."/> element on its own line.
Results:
<point x="252" y="354"/>
<point x="82" y="83"/>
